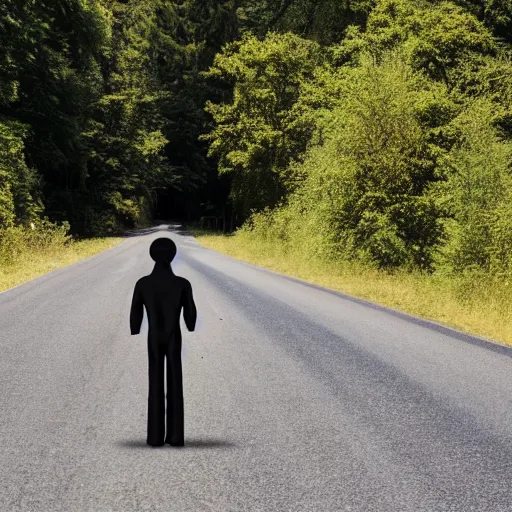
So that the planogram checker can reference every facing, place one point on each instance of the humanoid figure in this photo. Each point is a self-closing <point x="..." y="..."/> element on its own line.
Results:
<point x="164" y="295"/>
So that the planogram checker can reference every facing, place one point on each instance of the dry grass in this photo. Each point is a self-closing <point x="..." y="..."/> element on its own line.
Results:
<point x="31" y="265"/>
<point x="475" y="305"/>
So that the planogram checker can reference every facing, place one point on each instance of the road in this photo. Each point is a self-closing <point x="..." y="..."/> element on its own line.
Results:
<point x="296" y="398"/>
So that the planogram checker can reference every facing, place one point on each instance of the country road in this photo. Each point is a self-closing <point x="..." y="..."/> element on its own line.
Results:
<point x="296" y="398"/>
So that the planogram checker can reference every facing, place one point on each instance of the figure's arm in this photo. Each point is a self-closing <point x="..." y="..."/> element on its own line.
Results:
<point x="189" y="307"/>
<point x="137" y="311"/>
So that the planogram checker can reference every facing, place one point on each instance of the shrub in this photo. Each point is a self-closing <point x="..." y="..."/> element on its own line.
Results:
<point x="20" y="242"/>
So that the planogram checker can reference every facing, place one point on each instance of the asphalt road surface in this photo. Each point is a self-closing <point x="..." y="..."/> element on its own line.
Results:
<point x="296" y="398"/>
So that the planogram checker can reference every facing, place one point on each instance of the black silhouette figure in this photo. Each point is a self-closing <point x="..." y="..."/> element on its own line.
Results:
<point x="164" y="294"/>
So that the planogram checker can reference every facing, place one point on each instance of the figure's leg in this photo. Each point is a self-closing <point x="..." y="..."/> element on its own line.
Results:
<point x="156" y="396"/>
<point x="175" y="414"/>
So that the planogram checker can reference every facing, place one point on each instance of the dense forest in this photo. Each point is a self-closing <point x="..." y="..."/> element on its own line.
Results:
<point x="376" y="130"/>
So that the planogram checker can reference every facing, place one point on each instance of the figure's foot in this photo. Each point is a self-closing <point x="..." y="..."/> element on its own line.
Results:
<point x="175" y="443"/>
<point x="155" y="445"/>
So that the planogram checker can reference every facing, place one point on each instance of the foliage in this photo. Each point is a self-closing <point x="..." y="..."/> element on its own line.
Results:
<point x="372" y="130"/>
<point x="406" y="161"/>
<point x="256" y="136"/>
<point x="496" y="14"/>
<point x="436" y="38"/>
<point x="19" y="185"/>
<point x="364" y="194"/>
<point x="124" y="133"/>
<point x="16" y="242"/>
<point x="323" y="21"/>
<point x="476" y="191"/>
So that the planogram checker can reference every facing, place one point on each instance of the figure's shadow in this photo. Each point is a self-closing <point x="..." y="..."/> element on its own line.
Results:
<point x="191" y="443"/>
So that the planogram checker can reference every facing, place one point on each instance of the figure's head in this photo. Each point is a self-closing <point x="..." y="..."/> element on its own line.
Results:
<point x="163" y="250"/>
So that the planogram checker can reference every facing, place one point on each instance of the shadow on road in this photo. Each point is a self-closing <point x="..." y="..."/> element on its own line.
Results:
<point x="192" y="443"/>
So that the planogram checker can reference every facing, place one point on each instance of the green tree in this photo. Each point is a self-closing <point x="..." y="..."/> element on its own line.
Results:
<point x="124" y="133"/>
<point x="20" y="200"/>
<point x="436" y="37"/>
<point x="496" y="14"/>
<point x="365" y="193"/>
<point x="321" y="20"/>
<point x="476" y="192"/>
<point x="255" y="136"/>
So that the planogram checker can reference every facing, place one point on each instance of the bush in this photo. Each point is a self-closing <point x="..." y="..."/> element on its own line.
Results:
<point x="500" y="249"/>
<point x="17" y="242"/>
<point x="365" y="188"/>
<point x="477" y="189"/>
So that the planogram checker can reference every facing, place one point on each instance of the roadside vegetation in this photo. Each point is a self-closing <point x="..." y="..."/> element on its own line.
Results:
<point x="29" y="252"/>
<point x="378" y="162"/>
<point x="474" y="303"/>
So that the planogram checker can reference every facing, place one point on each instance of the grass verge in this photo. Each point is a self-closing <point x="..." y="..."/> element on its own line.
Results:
<point x="472" y="303"/>
<point x="37" y="262"/>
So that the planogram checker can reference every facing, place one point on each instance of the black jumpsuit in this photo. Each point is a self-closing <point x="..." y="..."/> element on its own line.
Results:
<point x="164" y="295"/>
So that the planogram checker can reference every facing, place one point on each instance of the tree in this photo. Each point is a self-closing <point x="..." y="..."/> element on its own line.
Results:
<point x="476" y="191"/>
<point x="437" y="38"/>
<point x="365" y="193"/>
<point x="255" y="137"/>
<point x="323" y="21"/>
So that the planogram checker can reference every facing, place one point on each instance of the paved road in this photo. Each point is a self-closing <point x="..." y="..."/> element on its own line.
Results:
<point x="296" y="399"/>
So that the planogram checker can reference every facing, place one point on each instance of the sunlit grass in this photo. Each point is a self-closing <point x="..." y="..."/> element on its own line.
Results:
<point x="475" y="305"/>
<point x="30" y="265"/>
